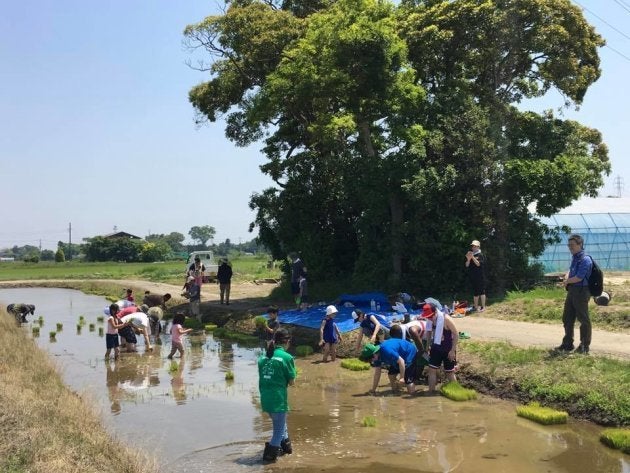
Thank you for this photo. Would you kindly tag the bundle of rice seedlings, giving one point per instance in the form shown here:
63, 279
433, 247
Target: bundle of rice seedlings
229, 375
100, 319
543, 415
52, 335
368, 421
260, 322
616, 438
303, 350
354, 364
101, 331
210, 327
456, 392
92, 327
35, 329
59, 327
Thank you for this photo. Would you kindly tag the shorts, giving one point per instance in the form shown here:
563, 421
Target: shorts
111, 341
128, 334
479, 286
411, 371
439, 356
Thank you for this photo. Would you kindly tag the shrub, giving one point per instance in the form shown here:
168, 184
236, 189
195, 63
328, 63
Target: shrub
52, 335
456, 392
193, 323
543, 415
616, 438
354, 364
303, 350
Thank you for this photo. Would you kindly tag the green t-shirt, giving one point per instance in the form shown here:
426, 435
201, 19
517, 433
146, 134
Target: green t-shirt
274, 375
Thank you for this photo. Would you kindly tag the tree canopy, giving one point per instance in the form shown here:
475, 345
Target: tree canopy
392, 132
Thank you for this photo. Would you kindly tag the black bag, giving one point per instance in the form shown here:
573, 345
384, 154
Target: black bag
595, 280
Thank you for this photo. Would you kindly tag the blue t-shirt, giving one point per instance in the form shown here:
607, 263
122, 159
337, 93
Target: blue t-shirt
393, 348
330, 334
581, 266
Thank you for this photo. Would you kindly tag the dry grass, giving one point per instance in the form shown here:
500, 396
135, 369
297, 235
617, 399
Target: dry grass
44, 427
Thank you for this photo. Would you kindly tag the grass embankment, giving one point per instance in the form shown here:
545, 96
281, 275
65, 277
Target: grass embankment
44, 427
588, 387
545, 305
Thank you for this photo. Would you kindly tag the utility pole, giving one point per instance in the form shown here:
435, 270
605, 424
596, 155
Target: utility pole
618, 183
69, 255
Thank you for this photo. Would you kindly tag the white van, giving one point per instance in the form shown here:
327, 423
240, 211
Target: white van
207, 259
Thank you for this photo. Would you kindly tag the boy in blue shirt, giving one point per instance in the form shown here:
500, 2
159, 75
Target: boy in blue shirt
398, 355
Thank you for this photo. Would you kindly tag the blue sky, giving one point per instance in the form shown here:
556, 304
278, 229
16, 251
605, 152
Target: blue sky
97, 130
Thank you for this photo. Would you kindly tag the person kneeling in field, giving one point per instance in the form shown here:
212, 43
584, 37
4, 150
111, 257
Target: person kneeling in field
20, 311
398, 355
443, 346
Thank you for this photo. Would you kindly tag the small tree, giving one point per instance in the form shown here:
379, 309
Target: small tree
60, 257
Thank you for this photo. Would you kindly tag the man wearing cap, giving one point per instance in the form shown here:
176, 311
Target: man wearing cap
476, 264
373, 326
443, 345
398, 355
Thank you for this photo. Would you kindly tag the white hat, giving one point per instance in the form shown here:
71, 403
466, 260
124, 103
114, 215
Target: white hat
355, 316
476, 243
331, 309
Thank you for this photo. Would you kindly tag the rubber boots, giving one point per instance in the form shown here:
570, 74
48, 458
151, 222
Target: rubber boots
271, 453
286, 446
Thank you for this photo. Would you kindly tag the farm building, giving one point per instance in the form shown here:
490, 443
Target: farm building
605, 225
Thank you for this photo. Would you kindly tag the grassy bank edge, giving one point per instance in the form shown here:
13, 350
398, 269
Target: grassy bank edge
44, 426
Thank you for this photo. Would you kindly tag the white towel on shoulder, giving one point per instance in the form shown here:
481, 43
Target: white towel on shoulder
438, 320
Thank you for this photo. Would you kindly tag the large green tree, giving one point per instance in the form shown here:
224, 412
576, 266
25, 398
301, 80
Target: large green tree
392, 132
202, 234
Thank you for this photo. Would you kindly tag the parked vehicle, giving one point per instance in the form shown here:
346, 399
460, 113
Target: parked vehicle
207, 259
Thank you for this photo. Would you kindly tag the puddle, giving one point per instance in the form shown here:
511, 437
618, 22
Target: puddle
186, 414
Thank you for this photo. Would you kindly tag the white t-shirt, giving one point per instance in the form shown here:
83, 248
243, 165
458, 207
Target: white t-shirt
138, 319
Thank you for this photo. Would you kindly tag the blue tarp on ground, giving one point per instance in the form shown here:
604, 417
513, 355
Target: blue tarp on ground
313, 316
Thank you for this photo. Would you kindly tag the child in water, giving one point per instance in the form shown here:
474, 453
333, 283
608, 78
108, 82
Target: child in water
329, 334
111, 337
276, 371
177, 332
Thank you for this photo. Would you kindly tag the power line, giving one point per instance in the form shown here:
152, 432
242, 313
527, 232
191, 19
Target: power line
602, 20
620, 53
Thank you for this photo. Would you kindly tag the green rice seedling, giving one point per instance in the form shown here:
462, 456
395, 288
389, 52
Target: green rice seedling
543, 415
40, 320
354, 364
616, 438
368, 421
52, 335
303, 350
229, 375
210, 327
260, 322
35, 331
100, 319
101, 331
456, 392
79, 328
173, 367
193, 323
59, 327
222, 332
92, 327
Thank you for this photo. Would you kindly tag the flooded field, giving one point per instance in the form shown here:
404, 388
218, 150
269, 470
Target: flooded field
191, 419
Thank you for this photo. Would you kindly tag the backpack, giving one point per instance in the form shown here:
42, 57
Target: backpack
595, 280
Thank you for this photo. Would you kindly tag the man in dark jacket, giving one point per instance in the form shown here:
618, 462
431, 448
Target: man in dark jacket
224, 277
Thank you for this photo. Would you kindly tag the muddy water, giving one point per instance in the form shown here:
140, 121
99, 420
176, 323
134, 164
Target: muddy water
192, 420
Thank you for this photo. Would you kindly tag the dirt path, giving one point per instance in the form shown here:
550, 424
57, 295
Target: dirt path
249, 295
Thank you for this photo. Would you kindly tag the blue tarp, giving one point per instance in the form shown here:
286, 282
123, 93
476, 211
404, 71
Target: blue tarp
313, 316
